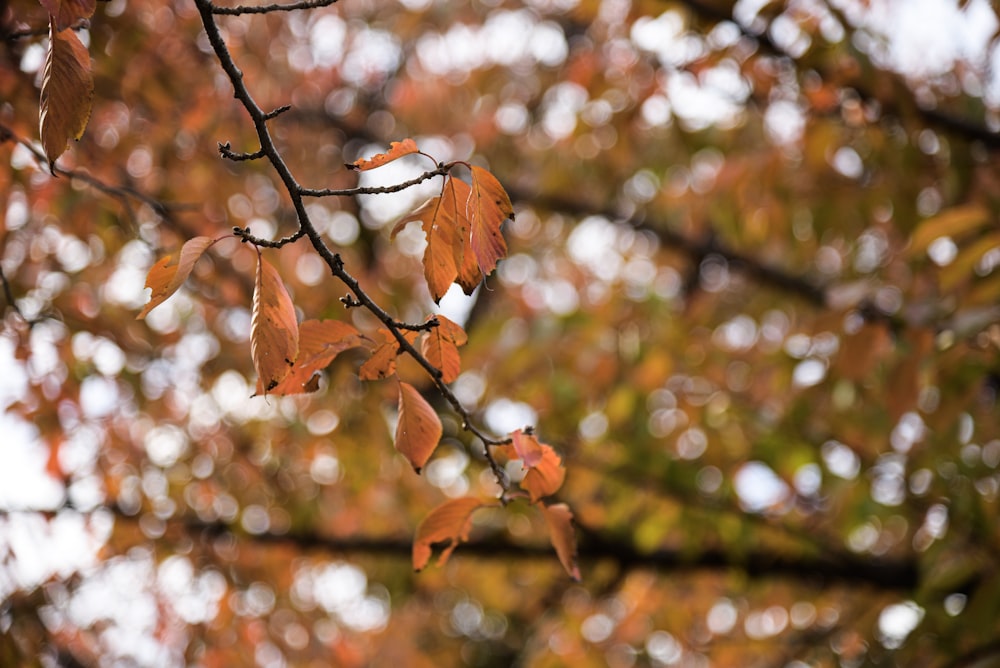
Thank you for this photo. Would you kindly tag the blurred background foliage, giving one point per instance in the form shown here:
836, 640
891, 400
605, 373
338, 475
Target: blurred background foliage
752, 299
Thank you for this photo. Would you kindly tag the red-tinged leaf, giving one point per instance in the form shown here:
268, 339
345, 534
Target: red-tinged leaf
66, 13
560, 520
440, 347
526, 448
170, 272
488, 207
418, 429
397, 149
320, 341
274, 331
450, 522
546, 477
67, 91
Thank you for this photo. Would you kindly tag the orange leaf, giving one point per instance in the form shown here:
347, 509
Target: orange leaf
169, 273
397, 149
274, 331
440, 347
527, 448
437, 218
382, 363
560, 520
469, 274
418, 429
66, 13
546, 477
488, 207
451, 522
320, 341
67, 90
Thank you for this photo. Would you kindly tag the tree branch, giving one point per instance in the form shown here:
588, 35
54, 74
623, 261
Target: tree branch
267, 9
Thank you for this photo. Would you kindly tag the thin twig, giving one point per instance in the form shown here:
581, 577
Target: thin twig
297, 194
440, 170
267, 9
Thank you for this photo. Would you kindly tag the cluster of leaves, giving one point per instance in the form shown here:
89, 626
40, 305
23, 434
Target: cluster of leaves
464, 244
751, 295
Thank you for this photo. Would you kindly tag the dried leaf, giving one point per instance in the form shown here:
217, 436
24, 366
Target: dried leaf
320, 341
170, 272
488, 207
437, 218
418, 429
440, 347
67, 91
451, 522
546, 477
526, 448
274, 331
66, 13
397, 149
382, 363
560, 520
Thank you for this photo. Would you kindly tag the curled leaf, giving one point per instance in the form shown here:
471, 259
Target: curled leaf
546, 476
488, 207
418, 429
527, 448
440, 347
320, 341
67, 91
560, 520
274, 331
170, 272
397, 149
450, 522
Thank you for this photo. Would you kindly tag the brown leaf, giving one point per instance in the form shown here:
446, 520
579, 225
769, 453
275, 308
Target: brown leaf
526, 448
66, 13
397, 149
440, 347
170, 272
274, 331
418, 429
320, 341
488, 207
451, 522
67, 91
546, 477
560, 520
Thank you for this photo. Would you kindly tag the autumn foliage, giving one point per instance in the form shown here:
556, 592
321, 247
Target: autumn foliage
568, 333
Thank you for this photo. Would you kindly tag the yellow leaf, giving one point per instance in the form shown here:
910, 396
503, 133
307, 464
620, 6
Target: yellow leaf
67, 91
450, 522
397, 149
418, 429
169, 273
274, 331
488, 207
560, 520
